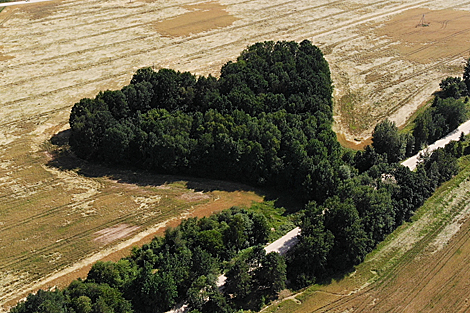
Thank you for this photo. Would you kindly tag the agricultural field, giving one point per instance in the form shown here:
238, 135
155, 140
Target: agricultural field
421, 267
56, 210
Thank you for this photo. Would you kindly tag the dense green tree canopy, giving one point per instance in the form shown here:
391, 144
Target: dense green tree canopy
265, 121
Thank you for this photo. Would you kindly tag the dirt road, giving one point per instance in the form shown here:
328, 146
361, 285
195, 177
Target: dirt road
453, 136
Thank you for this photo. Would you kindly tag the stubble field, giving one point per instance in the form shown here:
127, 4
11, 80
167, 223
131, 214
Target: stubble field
56, 210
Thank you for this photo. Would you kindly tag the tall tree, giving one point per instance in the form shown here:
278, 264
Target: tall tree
309, 258
239, 281
272, 273
466, 75
386, 139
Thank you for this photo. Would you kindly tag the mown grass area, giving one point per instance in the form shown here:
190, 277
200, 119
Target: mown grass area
410, 241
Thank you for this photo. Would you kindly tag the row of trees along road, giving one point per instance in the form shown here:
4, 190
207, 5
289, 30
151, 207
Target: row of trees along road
447, 111
266, 121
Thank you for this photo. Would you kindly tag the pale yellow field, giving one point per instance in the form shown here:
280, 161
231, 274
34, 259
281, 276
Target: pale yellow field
53, 209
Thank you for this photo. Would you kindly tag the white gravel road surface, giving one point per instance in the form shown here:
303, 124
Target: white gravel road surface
455, 135
7, 4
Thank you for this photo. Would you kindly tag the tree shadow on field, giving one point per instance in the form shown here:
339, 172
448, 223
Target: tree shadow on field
64, 159
336, 276
329, 277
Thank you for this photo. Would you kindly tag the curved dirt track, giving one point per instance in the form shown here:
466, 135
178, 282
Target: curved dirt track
54, 53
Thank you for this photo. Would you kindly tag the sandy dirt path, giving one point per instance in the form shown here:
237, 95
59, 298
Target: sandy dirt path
285, 243
412, 162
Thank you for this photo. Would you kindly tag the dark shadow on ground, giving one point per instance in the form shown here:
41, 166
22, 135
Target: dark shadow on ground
329, 276
338, 276
64, 159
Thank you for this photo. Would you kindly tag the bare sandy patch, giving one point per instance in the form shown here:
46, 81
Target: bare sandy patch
355, 144
201, 17
147, 202
116, 232
194, 196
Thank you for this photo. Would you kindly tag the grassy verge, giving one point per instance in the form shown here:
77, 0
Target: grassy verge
410, 123
279, 222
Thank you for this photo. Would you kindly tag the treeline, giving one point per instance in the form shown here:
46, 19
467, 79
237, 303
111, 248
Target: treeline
266, 121
375, 193
338, 233
184, 265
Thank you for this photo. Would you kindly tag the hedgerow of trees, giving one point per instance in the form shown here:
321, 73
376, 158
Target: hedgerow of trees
379, 194
184, 265
447, 112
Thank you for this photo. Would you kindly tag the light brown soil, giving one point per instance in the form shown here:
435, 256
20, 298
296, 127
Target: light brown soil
113, 233
62, 51
5, 57
427, 36
193, 196
397, 73
201, 17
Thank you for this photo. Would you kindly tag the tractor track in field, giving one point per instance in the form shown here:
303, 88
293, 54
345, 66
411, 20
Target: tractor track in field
420, 50
421, 72
183, 40
442, 258
158, 20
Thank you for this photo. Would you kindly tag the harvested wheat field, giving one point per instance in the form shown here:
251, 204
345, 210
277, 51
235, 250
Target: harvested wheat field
56, 210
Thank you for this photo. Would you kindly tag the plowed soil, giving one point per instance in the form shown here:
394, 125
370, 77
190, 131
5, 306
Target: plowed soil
54, 53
